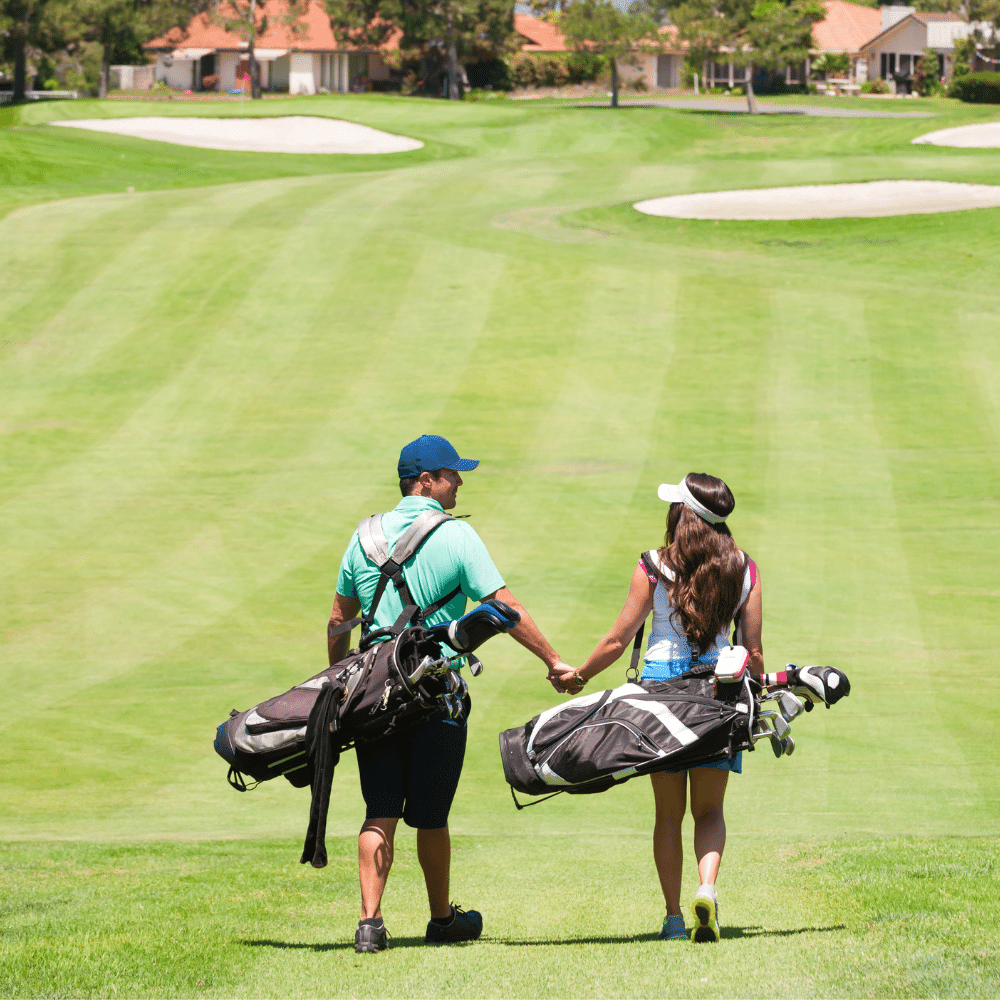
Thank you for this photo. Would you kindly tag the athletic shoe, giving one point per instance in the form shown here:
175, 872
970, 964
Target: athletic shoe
673, 928
463, 927
370, 937
706, 911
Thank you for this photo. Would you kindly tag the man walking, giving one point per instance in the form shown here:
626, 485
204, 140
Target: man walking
413, 775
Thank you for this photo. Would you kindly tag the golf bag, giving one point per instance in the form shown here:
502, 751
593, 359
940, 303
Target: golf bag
594, 742
376, 691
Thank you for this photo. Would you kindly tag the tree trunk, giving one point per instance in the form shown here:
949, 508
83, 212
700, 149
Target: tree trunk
452, 94
751, 104
102, 86
614, 82
254, 72
20, 68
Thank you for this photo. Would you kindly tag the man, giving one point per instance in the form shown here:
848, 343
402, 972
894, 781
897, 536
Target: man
413, 776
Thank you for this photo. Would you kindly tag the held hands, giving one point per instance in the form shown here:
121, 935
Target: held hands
565, 679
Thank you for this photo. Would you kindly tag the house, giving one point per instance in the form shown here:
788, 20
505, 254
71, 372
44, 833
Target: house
893, 53
661, 67
655, 67
304, 59
845, 29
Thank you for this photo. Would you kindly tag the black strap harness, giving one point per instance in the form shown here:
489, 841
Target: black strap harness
390, 565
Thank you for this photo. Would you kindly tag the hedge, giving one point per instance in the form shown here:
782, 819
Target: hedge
976, 88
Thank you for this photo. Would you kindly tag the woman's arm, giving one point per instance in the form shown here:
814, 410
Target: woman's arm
748, 632
638, 604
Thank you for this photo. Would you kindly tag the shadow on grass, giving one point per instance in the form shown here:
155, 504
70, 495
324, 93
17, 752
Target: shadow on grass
394, 942
728, 933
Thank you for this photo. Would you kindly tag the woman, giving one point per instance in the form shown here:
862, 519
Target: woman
695, 586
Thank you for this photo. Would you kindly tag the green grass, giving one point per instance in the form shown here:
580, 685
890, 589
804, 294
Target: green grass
205, 385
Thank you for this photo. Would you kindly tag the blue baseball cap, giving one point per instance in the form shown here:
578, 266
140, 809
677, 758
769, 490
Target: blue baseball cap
430, 453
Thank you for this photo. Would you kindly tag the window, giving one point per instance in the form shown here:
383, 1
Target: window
905, 64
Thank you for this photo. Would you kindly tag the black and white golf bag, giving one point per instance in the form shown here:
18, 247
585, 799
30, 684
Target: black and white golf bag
594, 742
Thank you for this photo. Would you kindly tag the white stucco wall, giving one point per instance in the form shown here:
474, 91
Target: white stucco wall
644, 69
300, 73
175, 73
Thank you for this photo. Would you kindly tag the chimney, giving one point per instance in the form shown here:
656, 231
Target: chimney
893, 14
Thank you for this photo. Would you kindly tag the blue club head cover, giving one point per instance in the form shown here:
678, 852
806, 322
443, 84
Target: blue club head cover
469, 632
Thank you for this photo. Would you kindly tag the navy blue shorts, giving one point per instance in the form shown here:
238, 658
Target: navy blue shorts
414, 774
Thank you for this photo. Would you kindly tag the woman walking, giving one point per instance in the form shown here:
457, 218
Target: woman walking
696, 585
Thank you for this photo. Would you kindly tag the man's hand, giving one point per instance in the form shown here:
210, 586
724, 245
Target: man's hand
564, 678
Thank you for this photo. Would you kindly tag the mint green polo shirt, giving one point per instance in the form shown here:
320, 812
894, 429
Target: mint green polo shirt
453, 556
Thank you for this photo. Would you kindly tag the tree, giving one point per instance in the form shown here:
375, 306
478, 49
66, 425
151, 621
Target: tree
249, 20
22, 23
119, 27
770, 35
434, 37
780, 34
600, 26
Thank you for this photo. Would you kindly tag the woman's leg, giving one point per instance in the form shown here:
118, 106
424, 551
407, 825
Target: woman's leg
669, 795
708, 790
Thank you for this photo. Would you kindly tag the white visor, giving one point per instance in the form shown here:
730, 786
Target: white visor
681, 494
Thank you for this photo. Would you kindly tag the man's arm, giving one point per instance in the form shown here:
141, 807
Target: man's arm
344, 609
528, 635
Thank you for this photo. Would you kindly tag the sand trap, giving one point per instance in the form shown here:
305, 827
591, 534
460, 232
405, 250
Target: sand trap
294, 134
827, 201
986, 135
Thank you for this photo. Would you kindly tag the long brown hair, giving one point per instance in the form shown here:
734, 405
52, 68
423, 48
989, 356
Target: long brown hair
708, 566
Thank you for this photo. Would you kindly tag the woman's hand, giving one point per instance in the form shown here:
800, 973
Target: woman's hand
561, 676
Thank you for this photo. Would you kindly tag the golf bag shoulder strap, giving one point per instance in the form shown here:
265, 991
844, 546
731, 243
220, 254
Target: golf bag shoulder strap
738, 617
390, 564
650, 569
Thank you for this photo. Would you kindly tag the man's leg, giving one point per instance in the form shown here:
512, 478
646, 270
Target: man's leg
375, 845
434, 854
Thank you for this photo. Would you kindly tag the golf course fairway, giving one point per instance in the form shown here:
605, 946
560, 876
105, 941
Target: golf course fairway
209, 361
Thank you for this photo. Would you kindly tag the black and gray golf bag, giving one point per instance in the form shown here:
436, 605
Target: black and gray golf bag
397, 677
594, 742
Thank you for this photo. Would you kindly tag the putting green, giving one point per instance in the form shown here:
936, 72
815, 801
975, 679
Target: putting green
206, 387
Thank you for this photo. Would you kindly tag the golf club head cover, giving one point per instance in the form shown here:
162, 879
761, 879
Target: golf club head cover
469, 632
825, 684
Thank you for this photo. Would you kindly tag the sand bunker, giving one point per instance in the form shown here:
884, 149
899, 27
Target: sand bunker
293, 134
827, 201
986, 135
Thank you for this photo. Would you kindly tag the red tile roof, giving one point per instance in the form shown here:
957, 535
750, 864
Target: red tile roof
204, 33
847, 27
540, 35
925, 17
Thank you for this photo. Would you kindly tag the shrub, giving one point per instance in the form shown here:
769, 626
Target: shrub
876, 86
551, 69
490, 74
210, 82
976, 88
927, 74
